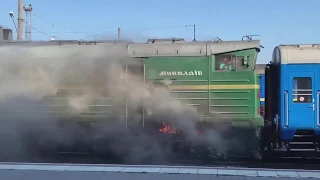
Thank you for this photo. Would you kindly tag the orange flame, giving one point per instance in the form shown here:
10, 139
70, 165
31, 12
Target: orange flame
167, 129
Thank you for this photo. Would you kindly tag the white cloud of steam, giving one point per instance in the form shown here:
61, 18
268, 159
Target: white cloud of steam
28, 74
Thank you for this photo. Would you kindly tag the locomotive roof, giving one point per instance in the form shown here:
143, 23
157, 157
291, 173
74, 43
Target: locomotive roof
189, 48
70, 48
204, 48
298, 53
63, 42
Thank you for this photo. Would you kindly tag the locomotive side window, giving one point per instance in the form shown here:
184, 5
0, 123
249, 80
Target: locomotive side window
302, 90
241, 63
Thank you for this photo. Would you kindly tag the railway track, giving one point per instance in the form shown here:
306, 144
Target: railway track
239, 162
242, 162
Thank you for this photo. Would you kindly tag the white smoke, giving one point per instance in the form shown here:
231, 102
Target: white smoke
31, 73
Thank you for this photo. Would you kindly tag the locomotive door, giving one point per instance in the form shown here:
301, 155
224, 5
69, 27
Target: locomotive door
301, 100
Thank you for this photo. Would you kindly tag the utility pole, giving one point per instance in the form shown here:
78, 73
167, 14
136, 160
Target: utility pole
20, 19
194, 31
119, 33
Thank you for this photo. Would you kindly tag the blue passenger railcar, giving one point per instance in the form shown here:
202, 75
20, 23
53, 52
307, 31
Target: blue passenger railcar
262, 86
262, 93
292, 87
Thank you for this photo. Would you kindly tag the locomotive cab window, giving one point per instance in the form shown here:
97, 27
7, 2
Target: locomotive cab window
224, 63
302, 90
231, 62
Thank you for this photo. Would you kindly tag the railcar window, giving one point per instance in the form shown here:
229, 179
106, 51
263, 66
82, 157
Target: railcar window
302, 90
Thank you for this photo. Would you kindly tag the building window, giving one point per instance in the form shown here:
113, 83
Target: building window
302, 90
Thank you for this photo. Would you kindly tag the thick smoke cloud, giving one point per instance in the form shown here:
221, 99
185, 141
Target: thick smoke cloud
28, 75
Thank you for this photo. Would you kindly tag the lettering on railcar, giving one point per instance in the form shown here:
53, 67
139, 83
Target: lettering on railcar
180, 73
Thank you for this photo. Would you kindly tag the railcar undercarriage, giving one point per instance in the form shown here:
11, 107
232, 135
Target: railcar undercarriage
305, 144
155, 141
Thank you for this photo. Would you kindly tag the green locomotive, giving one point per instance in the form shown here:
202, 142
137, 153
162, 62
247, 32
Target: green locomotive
215, 78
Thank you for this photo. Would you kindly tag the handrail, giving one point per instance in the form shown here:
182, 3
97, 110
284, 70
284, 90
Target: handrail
317, 108
286, 108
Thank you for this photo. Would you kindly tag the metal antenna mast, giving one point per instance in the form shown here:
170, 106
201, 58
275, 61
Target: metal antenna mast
28, 9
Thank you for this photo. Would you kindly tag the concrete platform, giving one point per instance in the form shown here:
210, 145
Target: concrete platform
130, 171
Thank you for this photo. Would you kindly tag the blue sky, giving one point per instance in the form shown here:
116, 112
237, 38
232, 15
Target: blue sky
276, 21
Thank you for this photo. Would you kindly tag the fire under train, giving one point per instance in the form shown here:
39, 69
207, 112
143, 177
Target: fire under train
217, 79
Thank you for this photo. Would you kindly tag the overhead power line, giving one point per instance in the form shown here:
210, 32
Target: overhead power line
38, 31
65, 31
48, 22
105, 31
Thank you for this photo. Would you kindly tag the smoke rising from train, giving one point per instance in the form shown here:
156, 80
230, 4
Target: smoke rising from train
28, 74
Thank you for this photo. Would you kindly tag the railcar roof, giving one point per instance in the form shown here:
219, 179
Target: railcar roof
299, 53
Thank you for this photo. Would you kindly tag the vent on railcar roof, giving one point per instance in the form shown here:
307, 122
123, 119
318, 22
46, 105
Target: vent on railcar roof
302, 45
166, 40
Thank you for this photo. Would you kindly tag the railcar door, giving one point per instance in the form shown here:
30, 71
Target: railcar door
300, 100
317, 98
